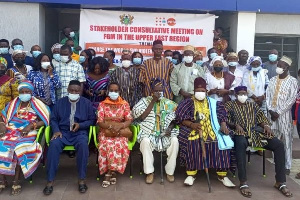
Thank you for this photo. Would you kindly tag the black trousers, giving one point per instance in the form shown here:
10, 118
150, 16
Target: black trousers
298, 129
275, 145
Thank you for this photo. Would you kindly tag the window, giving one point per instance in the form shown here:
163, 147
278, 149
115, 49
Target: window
285, 45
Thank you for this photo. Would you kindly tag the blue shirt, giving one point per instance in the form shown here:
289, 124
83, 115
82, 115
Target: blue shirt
37, 78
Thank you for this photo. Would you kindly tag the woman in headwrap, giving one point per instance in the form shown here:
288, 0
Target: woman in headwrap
55, 49
20, 70
114, 118
220, 84
202, 116
8, 85
19, 123
256, 80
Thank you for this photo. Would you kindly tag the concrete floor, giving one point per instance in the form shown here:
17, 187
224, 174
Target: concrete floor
65, 187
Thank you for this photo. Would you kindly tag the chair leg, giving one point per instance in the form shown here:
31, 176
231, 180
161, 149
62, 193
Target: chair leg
249, 154
264, 163
130, 163
161, 168
98, 172
30, 179
141, 164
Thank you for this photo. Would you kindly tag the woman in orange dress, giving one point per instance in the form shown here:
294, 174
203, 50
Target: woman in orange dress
114, 118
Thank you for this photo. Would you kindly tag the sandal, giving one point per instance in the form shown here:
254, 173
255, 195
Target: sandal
244, 192
284, 190
105, 183
3, 185
16, 188
113, 179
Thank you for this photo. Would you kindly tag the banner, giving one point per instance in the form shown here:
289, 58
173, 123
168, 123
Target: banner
118, 30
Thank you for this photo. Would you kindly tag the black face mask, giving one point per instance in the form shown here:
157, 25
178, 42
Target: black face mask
218, 69
2, 72
20, 62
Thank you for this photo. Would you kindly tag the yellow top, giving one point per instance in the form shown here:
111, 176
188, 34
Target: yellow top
75, 57
8, 91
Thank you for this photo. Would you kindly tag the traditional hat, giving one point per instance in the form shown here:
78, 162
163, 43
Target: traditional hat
199, 83
232, 54
189, 48
3, 61
240, 88
56, 46
16, 52
287, 60
218, 58
26, 84
254, 58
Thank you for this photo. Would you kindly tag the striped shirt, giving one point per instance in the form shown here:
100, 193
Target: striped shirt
66, 73
130, 86
157, 69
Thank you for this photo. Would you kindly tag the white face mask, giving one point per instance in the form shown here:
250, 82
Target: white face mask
200, 95
242, 98
64, 59
113, 95
169, 57
188, 59
126, 63
73, 97
161, 95
45, 65
279, 70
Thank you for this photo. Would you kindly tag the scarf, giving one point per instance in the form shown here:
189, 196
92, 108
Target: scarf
119, 101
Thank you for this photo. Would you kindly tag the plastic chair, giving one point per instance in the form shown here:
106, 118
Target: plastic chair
130, 146
264, 158
67, 148
39, 140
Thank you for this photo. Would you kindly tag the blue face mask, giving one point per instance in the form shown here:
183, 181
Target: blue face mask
4, 50
72, 48
232, 64
174, 61
81, 59
256, 69
137, 61
36, 53
273, 57
199, 62
18, 47
24, 97
212, 55
113, 95
56, 56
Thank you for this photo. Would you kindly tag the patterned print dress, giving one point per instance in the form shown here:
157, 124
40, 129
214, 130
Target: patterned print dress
113, 151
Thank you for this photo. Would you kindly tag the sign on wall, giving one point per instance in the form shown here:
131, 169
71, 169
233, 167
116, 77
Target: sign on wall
118, 30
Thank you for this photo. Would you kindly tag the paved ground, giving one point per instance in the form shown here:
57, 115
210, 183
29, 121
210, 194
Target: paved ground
134, 189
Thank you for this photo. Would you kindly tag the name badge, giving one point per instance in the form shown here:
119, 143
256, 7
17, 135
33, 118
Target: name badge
195, 71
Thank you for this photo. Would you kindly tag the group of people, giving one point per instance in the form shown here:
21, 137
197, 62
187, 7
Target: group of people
207, 112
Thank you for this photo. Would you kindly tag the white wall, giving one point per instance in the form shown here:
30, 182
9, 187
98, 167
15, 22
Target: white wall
23, 20
246, 32
278, 24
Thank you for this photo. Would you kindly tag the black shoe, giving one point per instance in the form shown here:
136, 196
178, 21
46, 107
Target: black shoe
287, 172
82, 188
71, 154
48, 190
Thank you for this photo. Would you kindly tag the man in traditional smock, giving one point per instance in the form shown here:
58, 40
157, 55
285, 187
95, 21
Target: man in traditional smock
280, 97
251, 128
156, 114
212, 127
183, 75
70, 121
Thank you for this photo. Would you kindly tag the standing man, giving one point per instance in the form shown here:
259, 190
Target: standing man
74, 56
157, 67
271, 65
4, 52
71, 35
183, 76
280, 97
17, 44
168, 54
70, 120
243, 60
68, 70
220, 44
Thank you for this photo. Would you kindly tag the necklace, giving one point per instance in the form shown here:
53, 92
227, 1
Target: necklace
26, 111
218, 77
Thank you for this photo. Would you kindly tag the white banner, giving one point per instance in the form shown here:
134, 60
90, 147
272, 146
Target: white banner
118, 30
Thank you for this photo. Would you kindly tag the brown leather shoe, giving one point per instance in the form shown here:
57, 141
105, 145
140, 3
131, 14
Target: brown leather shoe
170, 178
150, 178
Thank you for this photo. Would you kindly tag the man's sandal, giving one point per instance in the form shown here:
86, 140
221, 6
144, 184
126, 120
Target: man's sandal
105, 183
245, 193
113, 179
284, 190
16, 188
3, 185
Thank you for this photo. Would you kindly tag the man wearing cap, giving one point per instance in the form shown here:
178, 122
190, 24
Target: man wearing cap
251, 128
183, 75
203, 118
157, 67
280, 96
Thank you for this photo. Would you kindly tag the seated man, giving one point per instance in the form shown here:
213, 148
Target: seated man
157, 131
70, 120
251, 127
203, 122
19, 123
